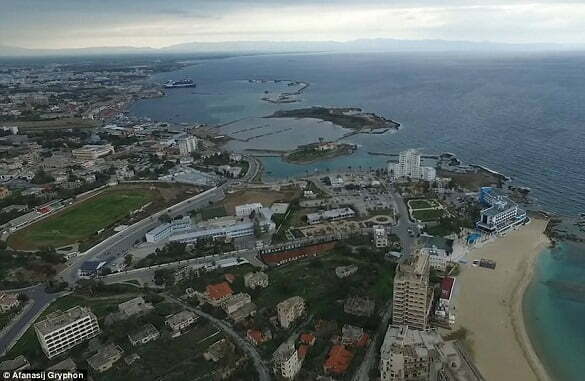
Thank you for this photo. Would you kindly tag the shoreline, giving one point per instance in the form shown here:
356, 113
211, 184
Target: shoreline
489, 304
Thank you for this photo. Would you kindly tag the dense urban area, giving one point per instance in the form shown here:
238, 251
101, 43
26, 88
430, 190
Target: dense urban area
145, 250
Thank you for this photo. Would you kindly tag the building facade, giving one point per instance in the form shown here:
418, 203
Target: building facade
411, 295
188, 145
61, 331
409, 167
290, 310
285, 361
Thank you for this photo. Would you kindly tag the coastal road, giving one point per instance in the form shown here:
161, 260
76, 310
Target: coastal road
243, 344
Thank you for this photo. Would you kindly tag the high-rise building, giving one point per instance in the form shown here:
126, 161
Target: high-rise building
187, 145
414, 355
61, 331
409, 166
412, 295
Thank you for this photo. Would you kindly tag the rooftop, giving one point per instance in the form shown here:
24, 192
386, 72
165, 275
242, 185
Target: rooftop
219, 290
59, 319
338, 359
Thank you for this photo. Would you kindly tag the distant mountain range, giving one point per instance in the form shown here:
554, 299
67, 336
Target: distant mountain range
362, 45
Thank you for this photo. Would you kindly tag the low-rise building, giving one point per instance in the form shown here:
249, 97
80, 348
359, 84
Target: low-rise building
345, 271
285, 361
218, 350
359, 306
17, 363
92, 152
181, 320
411, 354
165, 230
145, 335
502, 214
258, 337
66, 365
338, 360
330, 215
134, 307
61, 331
105, 358
8, 301
290, 310
4, 193
246, 209
215, 294
254, 280
234, 302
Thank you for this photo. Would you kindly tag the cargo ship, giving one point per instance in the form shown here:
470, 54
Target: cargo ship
178, 84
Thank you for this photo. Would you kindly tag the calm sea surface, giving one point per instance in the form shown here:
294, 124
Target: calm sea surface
522, 115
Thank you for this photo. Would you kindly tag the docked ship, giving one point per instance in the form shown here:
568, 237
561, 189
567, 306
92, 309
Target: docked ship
177, 84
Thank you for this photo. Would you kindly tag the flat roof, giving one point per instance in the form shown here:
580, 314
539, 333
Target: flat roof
60, 319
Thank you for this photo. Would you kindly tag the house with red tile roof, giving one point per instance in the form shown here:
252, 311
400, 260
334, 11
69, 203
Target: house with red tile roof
307, 339
215, 294
303, 350
338, 360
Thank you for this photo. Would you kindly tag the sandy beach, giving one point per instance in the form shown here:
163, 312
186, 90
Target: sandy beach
489, 305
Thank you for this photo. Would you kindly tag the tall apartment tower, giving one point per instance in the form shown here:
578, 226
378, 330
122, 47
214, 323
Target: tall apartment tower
409, 164
412, 296
61, 331
187, 145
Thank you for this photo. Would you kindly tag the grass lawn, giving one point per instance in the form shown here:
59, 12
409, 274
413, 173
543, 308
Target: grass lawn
428, 214
80, 221
213, 212
422, 204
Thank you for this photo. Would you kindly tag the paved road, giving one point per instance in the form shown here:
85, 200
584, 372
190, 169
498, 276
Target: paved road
245, 345
363, 372
40, 300
408, 245
404, 223
114, 244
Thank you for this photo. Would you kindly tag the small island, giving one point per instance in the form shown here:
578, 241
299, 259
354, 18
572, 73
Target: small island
347, 117
310, 153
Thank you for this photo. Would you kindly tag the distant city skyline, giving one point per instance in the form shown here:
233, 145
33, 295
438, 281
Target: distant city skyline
61, 24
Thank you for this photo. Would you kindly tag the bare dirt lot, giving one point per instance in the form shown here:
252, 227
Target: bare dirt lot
265, 197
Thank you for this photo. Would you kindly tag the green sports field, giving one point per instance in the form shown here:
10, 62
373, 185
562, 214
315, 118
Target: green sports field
79, 222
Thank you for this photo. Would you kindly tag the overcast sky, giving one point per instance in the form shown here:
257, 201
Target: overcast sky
158, 23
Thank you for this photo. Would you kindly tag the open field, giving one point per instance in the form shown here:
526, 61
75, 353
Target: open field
80, 221
263, 196
55, 124
427, 214
422, 204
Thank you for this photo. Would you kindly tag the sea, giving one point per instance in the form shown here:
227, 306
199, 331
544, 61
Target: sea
521, 114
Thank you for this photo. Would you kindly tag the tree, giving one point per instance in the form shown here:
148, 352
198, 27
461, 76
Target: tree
164, 218
41, 177
128, 260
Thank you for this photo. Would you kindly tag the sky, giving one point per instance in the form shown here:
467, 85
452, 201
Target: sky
57, 24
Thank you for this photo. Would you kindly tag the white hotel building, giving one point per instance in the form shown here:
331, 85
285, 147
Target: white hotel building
502, 215
409, 167
61, 331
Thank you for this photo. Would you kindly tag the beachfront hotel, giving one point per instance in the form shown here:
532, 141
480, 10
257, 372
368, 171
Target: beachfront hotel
61, 331
422, 355
502, 213
412, 295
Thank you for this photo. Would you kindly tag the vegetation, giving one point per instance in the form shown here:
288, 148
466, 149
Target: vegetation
81, 221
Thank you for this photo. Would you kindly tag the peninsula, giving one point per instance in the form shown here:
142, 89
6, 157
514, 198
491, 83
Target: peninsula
352, 118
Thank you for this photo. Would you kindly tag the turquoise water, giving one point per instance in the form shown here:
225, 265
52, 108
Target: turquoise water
521, 115
554, 308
